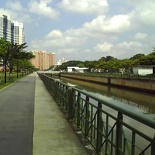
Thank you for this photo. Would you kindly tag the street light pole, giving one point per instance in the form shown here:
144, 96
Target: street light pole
5, 69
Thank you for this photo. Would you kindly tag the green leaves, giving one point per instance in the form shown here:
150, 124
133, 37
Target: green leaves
9, 53
4, 45
111, 64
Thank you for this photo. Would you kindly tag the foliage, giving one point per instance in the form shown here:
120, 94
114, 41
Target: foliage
12, 53
111, 64
70, 63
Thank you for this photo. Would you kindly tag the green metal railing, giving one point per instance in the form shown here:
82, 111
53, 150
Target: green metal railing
104, 124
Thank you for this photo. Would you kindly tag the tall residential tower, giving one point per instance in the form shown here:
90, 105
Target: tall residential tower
43, 60
10, 30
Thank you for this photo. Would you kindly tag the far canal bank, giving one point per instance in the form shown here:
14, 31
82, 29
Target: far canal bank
141, 84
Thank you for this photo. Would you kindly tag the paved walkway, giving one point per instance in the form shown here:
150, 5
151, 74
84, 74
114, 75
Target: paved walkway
32, 124
16, 117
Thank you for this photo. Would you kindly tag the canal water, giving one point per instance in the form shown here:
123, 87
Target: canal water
144, 103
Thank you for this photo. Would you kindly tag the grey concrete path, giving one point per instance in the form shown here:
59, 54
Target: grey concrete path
31, 122
52, 133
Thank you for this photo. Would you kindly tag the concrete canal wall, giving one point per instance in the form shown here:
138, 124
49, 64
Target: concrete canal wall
145, 85
86, 78
137, 84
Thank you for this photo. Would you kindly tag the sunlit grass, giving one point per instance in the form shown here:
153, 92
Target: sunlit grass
10, 78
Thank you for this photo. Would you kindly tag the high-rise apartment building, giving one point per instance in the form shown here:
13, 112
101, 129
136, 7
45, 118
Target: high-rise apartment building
10, 30
43, 60
18, 32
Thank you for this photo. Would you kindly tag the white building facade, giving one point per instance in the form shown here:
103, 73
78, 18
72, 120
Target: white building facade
143, 70
12, 31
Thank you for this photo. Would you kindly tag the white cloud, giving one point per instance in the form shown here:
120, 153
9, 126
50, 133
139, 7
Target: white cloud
69, 50
126, 49
105, 47
7, 12
82, 37
17, 15
116, 24
116, 35
143, 14
140, 36
54, 34
85, 6
42, 8
129, 45
15, 5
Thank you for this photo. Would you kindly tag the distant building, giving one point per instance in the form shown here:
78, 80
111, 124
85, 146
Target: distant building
76, 69
143, 70
12, 31
43, 60
18, 32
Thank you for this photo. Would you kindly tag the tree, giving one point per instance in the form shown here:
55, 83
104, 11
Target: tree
148, 59
4, 54
25, 57
137, 56
107, 58
17, 53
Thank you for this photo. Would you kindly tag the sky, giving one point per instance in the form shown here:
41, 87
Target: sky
86, 29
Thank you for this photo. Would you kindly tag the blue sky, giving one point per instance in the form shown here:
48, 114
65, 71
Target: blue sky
86, 29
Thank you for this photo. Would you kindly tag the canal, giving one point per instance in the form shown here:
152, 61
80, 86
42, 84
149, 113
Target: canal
140, 102
136, 101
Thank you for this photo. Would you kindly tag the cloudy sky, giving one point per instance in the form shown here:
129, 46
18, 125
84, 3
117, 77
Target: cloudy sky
86, 29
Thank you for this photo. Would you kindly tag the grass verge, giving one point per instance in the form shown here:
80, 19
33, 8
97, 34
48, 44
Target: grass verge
10, 78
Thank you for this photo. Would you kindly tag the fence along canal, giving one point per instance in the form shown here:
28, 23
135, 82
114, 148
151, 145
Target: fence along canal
104, 124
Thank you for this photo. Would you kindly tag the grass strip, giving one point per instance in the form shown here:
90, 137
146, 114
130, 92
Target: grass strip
10, 78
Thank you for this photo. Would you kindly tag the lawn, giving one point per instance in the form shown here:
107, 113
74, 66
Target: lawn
10, 78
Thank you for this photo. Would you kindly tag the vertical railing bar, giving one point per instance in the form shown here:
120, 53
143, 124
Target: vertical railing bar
133, 143
112, 136
124, 144
78, 109
153, 146
99, 128
91, 113
106, 133
86, 116
70, 103
118, 133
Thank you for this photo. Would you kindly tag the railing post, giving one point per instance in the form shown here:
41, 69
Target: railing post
55, 88
99, 128
78, 109
153, 146
119, 133
70, 103
87, 116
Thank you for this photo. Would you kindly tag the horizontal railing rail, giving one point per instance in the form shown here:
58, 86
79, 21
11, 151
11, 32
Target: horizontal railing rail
110, 129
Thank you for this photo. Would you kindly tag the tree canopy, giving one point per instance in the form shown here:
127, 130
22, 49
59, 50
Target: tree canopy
11, 53
112, 64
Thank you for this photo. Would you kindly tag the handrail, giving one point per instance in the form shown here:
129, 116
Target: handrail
95, 122
115, 106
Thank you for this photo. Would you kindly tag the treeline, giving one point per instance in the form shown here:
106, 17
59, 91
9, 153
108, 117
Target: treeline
112, 64
13, 56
